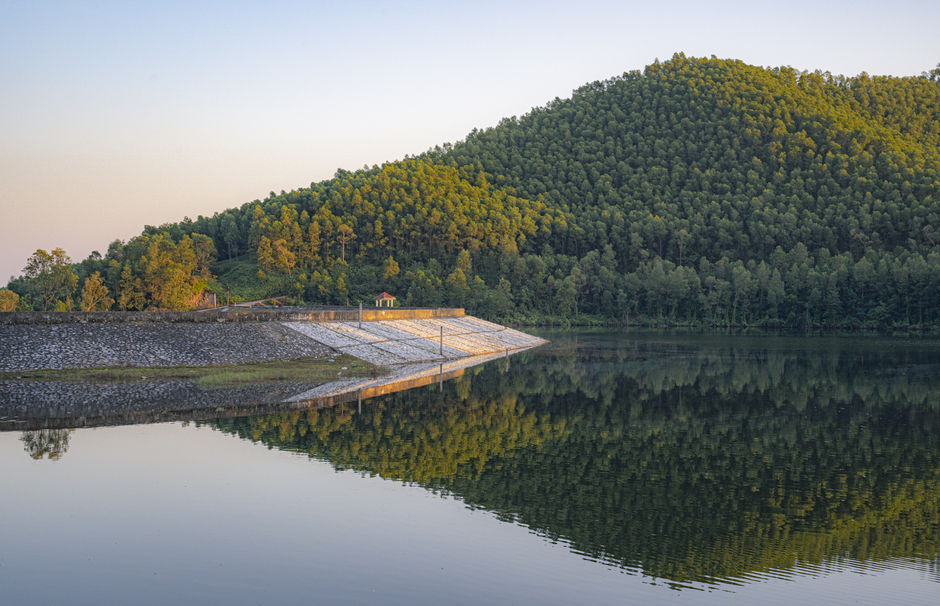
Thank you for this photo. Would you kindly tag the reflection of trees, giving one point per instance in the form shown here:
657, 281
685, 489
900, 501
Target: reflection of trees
716, 488
52, 443
456, 434
787, 377
685, 467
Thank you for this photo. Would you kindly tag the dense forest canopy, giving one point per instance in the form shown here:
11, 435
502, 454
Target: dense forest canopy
696, 191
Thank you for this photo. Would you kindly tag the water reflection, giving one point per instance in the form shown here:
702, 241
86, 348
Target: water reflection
46, 405
689, 458
46, 443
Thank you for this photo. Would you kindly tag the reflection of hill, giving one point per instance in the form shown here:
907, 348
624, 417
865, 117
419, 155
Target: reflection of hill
688, 495
687, 467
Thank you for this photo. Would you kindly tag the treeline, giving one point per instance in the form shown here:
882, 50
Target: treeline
150, 272
699, 191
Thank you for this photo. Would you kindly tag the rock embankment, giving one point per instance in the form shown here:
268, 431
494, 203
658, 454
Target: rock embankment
57, 346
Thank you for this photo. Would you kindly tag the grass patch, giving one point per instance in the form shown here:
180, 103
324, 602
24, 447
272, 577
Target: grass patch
307, 370
237, 279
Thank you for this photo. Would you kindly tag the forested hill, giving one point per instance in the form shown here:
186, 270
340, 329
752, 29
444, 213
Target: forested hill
743, 159
698, 190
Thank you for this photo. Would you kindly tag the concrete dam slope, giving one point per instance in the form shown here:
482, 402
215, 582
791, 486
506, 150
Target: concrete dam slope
34, 341
389, 342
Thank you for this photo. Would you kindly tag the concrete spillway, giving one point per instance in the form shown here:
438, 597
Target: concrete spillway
406, 341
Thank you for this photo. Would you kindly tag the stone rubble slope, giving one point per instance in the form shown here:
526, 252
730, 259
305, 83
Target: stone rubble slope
411, 349
58, 346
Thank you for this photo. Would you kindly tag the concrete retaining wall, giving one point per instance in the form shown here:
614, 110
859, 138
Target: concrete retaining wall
338, 314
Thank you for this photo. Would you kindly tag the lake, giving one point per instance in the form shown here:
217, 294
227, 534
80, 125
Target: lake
609, 467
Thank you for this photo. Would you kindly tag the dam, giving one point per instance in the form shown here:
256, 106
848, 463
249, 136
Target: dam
415, 347
384, 337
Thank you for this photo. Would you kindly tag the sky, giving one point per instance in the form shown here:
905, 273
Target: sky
117, 115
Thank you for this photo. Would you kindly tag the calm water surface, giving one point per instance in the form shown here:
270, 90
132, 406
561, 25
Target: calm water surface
607, 468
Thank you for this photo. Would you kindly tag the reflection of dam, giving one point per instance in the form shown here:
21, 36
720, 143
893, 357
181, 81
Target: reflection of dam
61, 405
400, 379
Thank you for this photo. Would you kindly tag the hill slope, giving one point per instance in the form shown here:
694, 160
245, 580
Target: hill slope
786, 157
700, 190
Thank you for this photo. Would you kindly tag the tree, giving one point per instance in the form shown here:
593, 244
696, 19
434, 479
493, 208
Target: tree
8, 300
284, 259
313, 242
502, 297
95, 294
266, 254
457, 287
743, 285
775, 292
464, 263
682, 237
933, 75
276, 255
230, 233
566, 303
390, 268
50, 277
132, 290
205, 252
345, 234
166, 272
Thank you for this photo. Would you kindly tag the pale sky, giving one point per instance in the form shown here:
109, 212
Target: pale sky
116, 115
